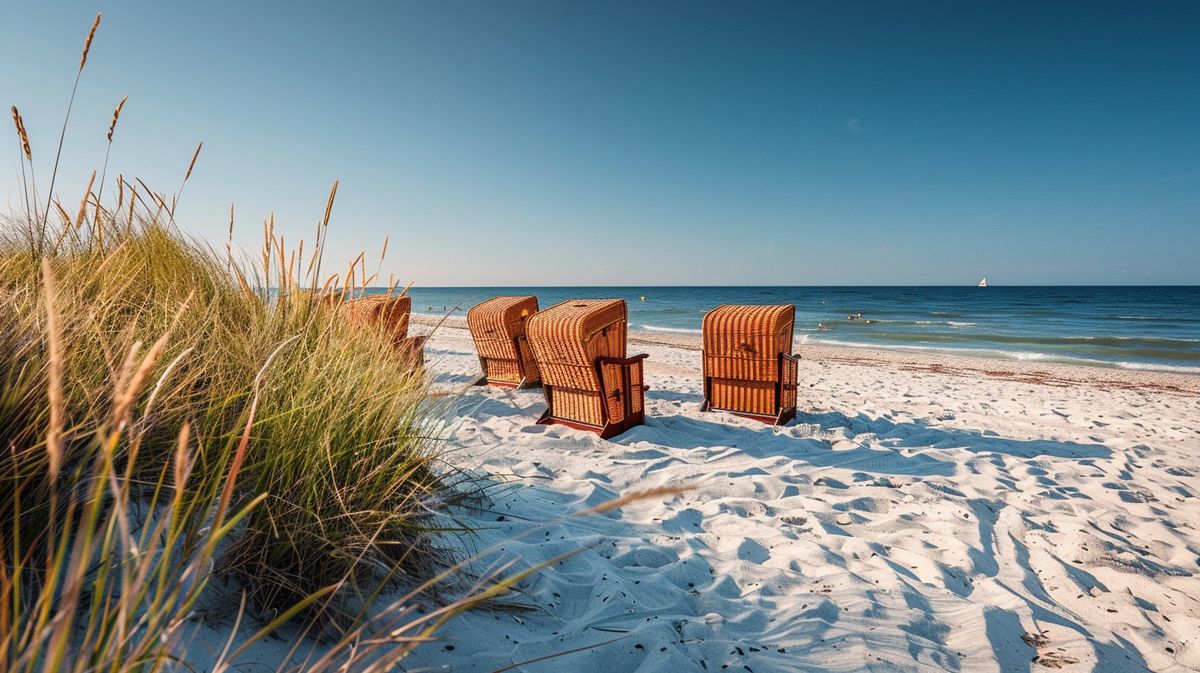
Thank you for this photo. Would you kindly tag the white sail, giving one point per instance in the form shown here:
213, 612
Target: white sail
983, 282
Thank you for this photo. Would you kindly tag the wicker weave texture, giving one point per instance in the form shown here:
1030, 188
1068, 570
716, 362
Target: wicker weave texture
389, 313
498, 327
747, 360
567, 339
743, 342
750, 397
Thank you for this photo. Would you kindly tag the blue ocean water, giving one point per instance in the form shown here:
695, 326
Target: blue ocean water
1129, 327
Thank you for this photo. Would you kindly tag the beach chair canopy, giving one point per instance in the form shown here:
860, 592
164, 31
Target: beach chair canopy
498, 328
580, 350
390, 313
748, 363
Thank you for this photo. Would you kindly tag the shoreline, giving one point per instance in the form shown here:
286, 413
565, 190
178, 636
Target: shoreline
1044, 373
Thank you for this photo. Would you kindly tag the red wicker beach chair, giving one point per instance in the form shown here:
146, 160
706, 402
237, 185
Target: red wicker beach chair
589, 383
749, 368
498, 328
392, 314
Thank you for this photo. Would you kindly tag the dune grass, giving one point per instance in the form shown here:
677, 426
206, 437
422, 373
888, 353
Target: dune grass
343, 444
130, 352
150, 387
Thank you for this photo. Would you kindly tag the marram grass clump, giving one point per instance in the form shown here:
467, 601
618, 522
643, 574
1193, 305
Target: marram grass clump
169, 413
343, 443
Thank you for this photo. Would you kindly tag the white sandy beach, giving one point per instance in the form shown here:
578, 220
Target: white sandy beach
942, 514
922, 513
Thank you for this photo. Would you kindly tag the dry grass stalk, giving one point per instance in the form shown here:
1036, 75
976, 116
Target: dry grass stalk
229, 240
116, 115
83, 202
87, 44
182, 463
132, 383
193, 162
329, 205
107, 151
132, 197
280, 249
319, 246
54, 433
175, 199
62, 136
649, 493
66, 219
16, 114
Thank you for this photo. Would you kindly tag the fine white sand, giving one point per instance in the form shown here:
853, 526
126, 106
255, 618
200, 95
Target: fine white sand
932, 515
920, 514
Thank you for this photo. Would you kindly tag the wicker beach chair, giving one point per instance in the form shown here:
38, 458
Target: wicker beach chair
392, 314
589, 383
498, 328
749, 368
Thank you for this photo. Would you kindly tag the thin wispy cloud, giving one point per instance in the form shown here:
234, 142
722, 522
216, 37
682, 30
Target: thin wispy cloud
1160, 180
995, 214
1147, 213
857, 125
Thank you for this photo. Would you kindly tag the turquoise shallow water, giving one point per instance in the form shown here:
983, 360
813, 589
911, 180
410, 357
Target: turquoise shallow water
1128, 327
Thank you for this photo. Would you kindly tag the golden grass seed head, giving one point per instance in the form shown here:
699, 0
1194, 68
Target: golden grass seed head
20, 123
87, 44
116, 115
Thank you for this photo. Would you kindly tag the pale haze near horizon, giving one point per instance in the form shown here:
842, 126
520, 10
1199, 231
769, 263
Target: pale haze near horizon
674, 144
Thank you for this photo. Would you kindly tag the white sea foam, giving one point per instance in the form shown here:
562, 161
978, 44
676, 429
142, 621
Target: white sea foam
1022, 356
656, 328
1152, 367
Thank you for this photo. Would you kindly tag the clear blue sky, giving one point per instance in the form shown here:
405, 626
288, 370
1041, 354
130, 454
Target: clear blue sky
557, 143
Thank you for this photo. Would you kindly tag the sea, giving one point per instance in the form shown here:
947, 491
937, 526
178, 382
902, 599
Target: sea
1152, 328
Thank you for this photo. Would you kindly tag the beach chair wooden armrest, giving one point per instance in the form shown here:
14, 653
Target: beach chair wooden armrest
624, 393
630, 371
622, 361
627, 364
788, 380
788, 368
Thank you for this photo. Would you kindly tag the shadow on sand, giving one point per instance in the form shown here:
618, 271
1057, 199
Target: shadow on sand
896, 448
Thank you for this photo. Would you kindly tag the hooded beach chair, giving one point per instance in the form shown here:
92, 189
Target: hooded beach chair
498, 328
749, 368
589, 383
390, 313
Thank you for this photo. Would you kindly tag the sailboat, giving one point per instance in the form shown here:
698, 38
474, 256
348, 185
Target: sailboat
983, 282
